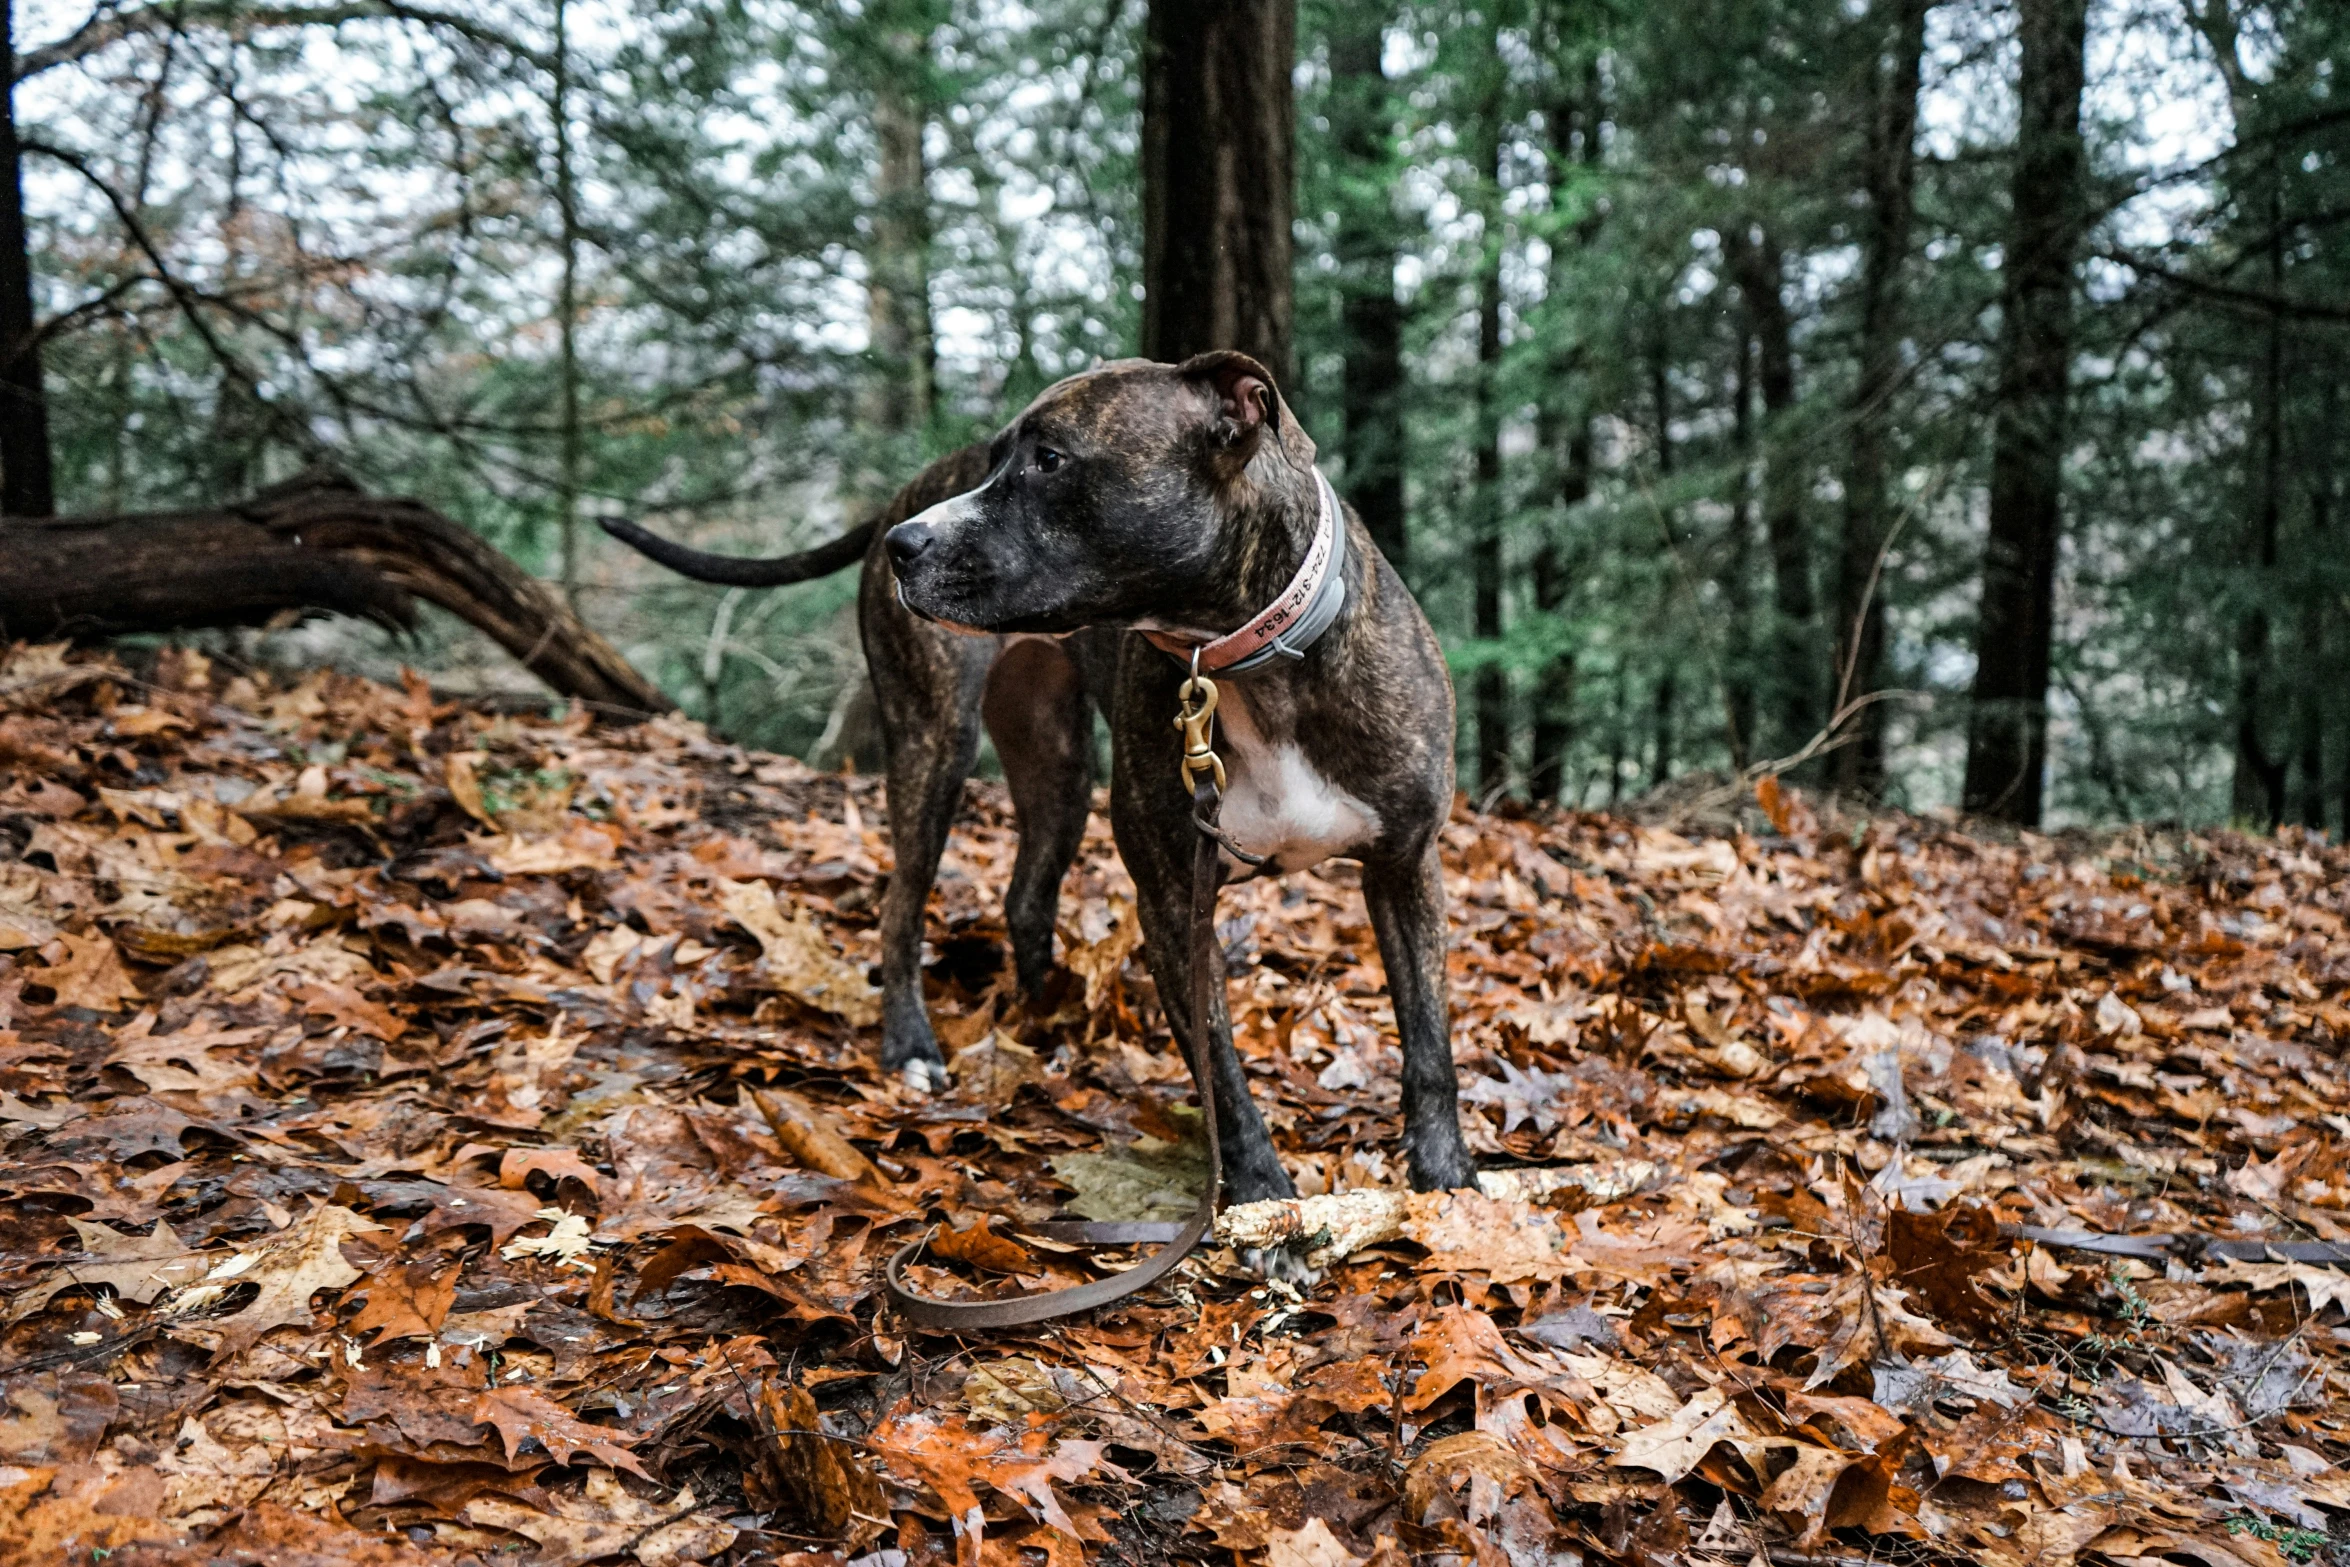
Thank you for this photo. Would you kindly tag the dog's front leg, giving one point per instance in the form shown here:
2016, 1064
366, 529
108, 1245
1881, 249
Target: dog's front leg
1155, 838
1252, 1170
1406, 899
930, 721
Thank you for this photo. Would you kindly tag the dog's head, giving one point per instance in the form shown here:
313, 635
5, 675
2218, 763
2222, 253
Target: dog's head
1105, 501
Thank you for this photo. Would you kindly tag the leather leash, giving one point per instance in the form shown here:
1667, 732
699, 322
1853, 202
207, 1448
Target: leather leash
1203, 772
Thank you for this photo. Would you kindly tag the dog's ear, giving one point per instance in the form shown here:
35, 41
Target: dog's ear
1241, 396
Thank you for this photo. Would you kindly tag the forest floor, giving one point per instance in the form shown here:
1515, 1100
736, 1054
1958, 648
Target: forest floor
383, 1180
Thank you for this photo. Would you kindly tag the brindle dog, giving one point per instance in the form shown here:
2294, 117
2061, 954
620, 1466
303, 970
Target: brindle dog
1005, 585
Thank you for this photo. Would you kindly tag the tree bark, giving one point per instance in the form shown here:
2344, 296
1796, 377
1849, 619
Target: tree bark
1492, 689
1795, 678
1554, 698
27, 487
567, 310
1739, 697
1565, 432
1371, 318
897, 264
1219, 154
2256, 791
2007, 728
1668, 685
1899, 30
314, 544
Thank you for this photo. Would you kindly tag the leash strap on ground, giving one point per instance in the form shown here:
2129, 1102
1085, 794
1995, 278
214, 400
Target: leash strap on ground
972, 1316
2185, 1246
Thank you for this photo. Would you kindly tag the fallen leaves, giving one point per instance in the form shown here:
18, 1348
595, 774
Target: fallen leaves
287, 1272
136, 1268
410, 1300
604, 1521
797, 958
523, 1414
1679, 1443
405, 1154
813, 1476
85, 971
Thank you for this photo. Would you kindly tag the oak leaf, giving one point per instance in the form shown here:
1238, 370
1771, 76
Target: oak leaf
183, 1062
517, 1165
44, 1521
1099, 963
294, 1265
1312, 1545
811, 1138
982, 1247
1674, 1446
955, 1461
345, 1006
52, 1417
136, 1267
1825, 1488
86, 971
1448, 1461
581, 846
819, 1480
523, 1414
2324, 1286
411, 1300
798, 960
1938, 1257
608, 1521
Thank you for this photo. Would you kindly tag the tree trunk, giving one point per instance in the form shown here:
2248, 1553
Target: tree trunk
1219, 152
1566, 432
567, 310
1660, 771
1554, 696
897, 265
1900, 30
1738, 697
314, 544
2258, 788
1668, 690
1795, 677
27, 488
1485, 545
1371, 318
1619, 739
2007, 729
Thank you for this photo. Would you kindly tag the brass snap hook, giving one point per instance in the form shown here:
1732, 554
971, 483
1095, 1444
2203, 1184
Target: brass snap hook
1196, 723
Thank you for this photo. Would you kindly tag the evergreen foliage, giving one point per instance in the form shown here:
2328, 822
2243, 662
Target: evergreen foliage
1613, 319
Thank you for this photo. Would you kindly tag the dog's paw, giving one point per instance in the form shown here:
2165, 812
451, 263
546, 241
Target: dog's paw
924, 1075
1443, 1169
1281, 1265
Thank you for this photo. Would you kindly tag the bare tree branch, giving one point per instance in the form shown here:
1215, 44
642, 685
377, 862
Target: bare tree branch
108, 26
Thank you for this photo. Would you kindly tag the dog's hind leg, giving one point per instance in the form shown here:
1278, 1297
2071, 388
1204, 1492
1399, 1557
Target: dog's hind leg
1406, 900
927, 685
1037, 714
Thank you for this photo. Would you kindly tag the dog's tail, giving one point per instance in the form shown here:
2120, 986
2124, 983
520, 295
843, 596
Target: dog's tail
745, 571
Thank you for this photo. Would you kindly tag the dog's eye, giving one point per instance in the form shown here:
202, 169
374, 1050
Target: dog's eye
1048, 460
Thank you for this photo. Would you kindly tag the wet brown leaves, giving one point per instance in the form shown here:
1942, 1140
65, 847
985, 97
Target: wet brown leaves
435, 1135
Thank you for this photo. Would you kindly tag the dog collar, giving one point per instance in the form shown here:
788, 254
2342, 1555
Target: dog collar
1290, 624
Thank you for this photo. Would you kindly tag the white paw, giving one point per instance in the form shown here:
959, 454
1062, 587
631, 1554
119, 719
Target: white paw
1281, 1264
924, 1076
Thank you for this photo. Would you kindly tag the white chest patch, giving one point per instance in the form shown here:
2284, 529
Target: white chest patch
1277, 805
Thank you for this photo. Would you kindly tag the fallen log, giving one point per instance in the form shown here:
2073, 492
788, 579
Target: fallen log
314, 544
1339, 1224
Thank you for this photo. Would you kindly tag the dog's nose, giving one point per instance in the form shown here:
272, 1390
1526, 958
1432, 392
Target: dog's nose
908, 541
